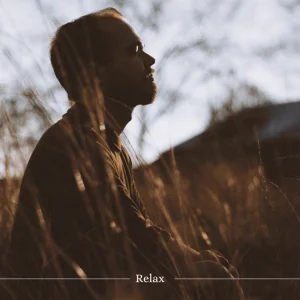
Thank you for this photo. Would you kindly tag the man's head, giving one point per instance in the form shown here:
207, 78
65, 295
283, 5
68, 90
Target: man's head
103, 48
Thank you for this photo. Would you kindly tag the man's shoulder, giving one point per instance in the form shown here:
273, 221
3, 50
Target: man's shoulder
52, 144
54, 138
48, 152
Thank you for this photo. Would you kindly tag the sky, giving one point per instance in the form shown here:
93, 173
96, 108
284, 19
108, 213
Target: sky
254, 42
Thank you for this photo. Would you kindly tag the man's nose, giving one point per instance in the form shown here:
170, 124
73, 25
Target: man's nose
149, 60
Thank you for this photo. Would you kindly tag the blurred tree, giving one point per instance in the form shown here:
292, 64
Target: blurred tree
197, 45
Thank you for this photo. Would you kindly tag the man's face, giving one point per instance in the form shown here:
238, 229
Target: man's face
129, 74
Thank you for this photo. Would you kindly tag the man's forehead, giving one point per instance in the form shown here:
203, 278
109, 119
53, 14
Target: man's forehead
119, 28
130, 25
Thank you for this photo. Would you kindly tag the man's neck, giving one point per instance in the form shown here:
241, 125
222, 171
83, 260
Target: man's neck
116, 116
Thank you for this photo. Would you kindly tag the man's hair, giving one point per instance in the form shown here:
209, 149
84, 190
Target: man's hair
79, 43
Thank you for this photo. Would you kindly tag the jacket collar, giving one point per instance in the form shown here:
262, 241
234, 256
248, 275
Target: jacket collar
79, 116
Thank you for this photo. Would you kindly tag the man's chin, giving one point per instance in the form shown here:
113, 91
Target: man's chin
149, 97
142, 97
146, 101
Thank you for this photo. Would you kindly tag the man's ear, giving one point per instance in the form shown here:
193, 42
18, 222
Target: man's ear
87, 75
102, 76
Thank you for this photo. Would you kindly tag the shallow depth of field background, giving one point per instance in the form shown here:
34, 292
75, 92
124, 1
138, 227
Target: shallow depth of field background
213, 58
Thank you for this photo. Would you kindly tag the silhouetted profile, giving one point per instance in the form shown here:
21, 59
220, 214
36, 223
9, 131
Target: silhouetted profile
79, 213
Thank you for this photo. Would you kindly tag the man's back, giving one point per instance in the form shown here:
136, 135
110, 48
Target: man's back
79, 213
63, 171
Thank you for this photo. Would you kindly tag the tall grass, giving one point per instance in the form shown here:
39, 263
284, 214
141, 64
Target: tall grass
231, 196
241, 198
218, 196
178, 216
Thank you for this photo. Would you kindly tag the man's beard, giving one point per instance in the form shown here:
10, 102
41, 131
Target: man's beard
143, 96
146, 95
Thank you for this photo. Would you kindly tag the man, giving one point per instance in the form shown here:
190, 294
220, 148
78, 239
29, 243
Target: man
79, 214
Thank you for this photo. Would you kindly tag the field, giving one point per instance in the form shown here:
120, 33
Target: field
228, 191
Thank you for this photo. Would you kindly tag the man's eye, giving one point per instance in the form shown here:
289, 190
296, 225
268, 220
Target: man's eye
138, 49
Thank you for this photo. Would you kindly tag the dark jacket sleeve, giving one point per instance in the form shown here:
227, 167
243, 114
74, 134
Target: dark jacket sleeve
149, 228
